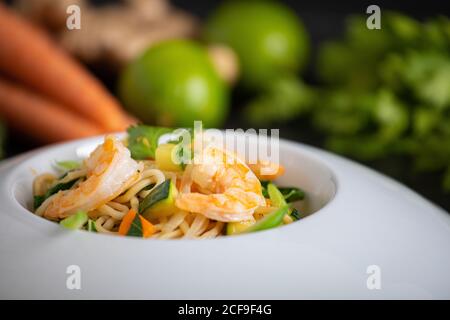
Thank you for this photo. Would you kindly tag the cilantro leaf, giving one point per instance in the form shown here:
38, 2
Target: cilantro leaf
143, 140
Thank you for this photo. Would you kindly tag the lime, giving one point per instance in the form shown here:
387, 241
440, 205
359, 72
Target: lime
268, 38
173, 84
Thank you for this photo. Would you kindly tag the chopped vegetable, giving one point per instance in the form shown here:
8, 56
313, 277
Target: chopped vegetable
75, 221
272, 220
276, 197
38, 200
294, 214
135, 229
91, 226
135, 225
292, 194
126, 222
68, 165
143, 140
166, 157
160, 201
238, 227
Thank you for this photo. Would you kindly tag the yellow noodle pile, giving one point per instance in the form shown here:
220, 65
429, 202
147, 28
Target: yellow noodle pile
180, 224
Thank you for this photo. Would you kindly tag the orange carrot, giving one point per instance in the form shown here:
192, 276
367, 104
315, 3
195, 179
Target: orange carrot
28, 55
126, 222
41, 118
147, 228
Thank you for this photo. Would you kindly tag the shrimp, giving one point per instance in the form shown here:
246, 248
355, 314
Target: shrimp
110, 171
228, 190
266, 170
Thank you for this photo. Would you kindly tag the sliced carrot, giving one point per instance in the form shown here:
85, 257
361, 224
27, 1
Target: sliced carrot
40, 118
126, 222
30, 56
147, 228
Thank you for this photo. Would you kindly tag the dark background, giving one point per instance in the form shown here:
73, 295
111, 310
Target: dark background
323, 20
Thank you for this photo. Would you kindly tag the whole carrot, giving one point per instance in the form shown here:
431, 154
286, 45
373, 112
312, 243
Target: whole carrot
40, 118
29, 55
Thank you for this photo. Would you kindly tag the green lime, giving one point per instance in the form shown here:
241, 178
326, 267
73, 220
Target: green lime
268, 38
173, 84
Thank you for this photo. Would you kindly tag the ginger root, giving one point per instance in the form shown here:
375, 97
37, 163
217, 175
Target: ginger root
111, 34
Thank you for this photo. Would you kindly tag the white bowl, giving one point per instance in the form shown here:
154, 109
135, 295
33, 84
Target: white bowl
361, 222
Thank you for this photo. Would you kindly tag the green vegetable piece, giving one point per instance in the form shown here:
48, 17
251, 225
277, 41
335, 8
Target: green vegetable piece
75, 221
264, 184
68, 165
38, 200
272, 220
295, 214
279, 199
160, 201
292, 194
136, 227
91, 226
143, 140
238, 227
276, 197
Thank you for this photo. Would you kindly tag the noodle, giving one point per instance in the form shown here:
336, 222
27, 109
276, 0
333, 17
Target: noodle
113, 213
99, 226
184, 226
134, 204
170, 235
198, 226
118, 206
214, 231
108, 216
117, 199
109, 224
174, 222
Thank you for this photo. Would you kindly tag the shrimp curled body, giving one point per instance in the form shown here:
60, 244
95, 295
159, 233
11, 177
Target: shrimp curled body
110, 171
227, 189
